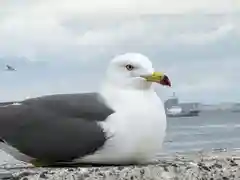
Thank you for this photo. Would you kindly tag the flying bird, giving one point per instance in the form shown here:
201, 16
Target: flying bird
10, 68
122, 123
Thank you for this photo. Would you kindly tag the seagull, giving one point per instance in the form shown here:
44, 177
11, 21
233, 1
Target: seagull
124, 122
10, 68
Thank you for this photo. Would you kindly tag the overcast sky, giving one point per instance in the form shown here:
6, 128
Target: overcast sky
61, 46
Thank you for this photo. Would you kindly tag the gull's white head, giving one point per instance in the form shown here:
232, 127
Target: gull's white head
134, 71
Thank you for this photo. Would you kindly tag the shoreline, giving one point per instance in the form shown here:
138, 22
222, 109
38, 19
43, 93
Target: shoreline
185, 166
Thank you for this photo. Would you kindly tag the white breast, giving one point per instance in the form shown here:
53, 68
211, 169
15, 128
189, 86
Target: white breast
137, 129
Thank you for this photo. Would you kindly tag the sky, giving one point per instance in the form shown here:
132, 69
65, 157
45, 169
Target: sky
60, 46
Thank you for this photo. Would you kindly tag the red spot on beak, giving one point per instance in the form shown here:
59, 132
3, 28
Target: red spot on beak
165, 81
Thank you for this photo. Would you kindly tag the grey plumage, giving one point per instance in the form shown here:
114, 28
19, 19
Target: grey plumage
56, 127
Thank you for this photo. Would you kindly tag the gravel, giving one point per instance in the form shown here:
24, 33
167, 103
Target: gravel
196, 166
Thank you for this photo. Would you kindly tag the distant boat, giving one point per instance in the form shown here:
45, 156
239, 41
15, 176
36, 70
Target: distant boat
10, 68
175, 109
189, 113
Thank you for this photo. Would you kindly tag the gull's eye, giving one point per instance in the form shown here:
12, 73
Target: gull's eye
129, 67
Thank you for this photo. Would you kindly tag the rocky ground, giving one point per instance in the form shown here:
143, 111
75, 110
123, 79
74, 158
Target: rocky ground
211, 166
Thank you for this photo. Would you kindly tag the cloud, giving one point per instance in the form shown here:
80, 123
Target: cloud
35, 27
207, 37
123, 6
73, 35
66, 45
205, 81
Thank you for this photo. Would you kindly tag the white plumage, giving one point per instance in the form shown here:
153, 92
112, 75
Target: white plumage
137, 129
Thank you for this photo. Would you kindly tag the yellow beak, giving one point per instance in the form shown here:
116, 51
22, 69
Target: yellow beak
158, 77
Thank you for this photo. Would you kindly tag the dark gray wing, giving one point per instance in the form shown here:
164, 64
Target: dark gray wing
55, 128
89, 106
